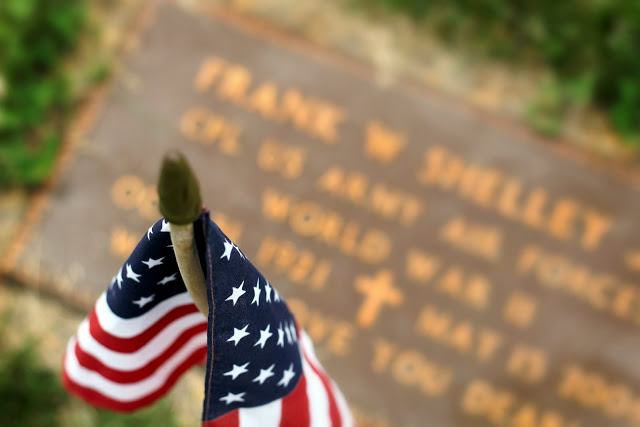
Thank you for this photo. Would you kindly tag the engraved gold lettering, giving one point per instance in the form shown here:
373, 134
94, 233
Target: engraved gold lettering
205, 127
367, 419
462, 336
470, 289
603, 292
264, 100
563, 218
421, 266
356, 188
275, 205
501, 407
383, 144
295, 109
231, 227
325, 330
122, 242
129, 192
325, 122
520, 309
592, 390
475, 238
410, 368
488, 342
507, 203
527, 363
126, 191
235, 83
309, 219
383, 351
481, 399
597, 225
300, 266
287, 160
209, 72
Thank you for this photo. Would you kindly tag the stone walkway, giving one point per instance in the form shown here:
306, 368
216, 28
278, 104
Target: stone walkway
399, 49
395, 48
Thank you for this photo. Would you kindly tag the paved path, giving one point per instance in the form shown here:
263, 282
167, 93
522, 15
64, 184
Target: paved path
439, 257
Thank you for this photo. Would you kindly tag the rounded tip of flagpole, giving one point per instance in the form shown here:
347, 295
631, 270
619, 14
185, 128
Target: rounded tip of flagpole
178, 190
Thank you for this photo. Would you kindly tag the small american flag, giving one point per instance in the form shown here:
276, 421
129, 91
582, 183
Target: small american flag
145, 331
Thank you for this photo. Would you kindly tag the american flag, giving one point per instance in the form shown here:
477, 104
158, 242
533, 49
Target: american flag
145, 331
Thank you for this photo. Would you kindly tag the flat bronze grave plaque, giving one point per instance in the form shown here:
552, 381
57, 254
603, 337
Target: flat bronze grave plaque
451, 271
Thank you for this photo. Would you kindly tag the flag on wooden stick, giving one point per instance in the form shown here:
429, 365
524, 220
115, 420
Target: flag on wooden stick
145, 331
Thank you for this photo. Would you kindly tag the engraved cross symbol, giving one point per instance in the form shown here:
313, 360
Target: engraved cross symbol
378, 290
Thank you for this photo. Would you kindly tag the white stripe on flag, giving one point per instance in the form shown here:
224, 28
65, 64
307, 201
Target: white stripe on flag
134, 391
343, 407
151, 350
127, 328
262, 416
341, 402
317, 396
307, 347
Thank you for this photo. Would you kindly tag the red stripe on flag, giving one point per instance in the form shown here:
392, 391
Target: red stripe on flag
334, 412
295, 406
133, 344
123, 376
95, 398
232, 419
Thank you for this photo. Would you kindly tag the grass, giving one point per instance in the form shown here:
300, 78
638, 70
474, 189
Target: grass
35, 37
31, 395
590, 46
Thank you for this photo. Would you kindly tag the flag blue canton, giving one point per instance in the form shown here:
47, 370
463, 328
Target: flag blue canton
254, 356
150, 275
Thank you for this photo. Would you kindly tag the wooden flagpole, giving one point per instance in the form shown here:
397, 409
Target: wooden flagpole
181, 204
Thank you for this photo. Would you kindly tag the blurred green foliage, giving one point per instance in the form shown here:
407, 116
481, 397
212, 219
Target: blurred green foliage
593, 46
32, 395
35, 35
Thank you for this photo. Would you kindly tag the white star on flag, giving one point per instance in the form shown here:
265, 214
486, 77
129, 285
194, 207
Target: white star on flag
265, 334
230, 398
132, 274
287, 374
265, 374
237, 370
256, 293
149, 232
238, 334
239, 251
228, 247
237, 293
144, 300
118, 278
153, 262
166, 227
167, 279
268, 291
294, 333
288, 332
280, 336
